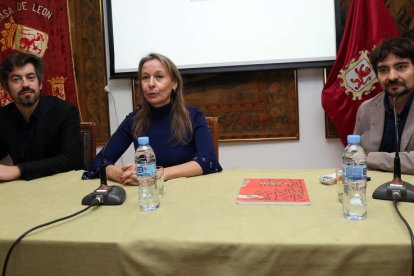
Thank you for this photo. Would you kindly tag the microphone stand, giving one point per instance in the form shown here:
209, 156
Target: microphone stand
396, 187
108, 195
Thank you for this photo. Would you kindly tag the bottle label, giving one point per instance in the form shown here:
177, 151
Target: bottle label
354, 172
146, 170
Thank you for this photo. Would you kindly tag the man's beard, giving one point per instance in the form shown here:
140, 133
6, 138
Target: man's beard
397, 93
28, 101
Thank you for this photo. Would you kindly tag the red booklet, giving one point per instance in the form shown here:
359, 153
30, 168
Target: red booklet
273, 191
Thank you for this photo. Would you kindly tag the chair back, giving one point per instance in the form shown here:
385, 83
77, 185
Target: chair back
213, 125
88, 133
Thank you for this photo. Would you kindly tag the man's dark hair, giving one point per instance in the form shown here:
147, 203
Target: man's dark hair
19, 59
402, 47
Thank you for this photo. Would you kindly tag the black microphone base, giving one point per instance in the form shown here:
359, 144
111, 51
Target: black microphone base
114, 196
386, 191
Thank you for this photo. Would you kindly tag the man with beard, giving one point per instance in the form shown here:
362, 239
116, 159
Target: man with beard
40, 134
393, 62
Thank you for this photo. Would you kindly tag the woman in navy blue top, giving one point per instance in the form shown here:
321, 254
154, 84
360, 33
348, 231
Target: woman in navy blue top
179, 135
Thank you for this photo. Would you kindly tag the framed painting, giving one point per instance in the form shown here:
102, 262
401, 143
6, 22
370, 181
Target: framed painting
251, 106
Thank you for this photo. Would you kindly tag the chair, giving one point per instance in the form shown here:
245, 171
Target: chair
212, 123
88, 133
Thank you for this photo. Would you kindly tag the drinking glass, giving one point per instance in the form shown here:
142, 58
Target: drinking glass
160, 180
340, 184
148, 194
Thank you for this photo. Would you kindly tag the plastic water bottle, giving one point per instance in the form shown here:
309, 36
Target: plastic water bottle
146, 175
354, 177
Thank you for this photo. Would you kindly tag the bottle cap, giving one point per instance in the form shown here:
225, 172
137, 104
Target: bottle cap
354, 139
143, 140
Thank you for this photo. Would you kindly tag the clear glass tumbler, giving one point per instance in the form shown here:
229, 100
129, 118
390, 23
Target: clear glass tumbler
340, 184
148, 197
160, 180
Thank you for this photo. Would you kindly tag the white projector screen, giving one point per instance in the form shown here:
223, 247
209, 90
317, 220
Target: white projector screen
222, 35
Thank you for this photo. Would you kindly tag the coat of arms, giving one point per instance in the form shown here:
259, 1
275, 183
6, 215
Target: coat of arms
24, 39
358, 76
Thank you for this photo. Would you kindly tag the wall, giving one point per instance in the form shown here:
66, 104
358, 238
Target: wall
312, 150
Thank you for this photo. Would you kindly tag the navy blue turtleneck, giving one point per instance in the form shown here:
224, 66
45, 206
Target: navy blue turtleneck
200, 148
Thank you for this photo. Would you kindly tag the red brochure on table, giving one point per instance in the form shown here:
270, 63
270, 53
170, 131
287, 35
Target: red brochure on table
273, 191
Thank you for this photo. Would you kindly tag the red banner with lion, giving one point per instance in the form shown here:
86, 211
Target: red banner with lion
352, 79
41, 28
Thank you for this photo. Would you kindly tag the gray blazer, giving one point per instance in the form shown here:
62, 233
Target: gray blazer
370, 125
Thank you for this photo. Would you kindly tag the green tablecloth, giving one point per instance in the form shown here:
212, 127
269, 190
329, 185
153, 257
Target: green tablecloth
200, 230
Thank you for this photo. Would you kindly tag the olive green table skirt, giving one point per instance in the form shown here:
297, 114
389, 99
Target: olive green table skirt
200, 230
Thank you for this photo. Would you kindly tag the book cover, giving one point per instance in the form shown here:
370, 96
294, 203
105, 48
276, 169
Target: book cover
273, 191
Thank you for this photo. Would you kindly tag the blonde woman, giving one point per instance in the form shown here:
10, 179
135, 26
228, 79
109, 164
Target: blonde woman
178, 134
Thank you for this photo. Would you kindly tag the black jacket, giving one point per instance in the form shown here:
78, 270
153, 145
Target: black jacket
55, 142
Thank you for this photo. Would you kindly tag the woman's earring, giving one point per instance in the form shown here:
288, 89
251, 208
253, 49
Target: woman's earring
173, 94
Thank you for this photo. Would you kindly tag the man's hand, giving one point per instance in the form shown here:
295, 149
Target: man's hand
8, 173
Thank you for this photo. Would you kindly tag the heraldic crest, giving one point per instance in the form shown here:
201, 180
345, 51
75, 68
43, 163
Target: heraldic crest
358, 76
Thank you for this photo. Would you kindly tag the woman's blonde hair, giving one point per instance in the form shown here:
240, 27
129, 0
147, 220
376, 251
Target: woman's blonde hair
181, 126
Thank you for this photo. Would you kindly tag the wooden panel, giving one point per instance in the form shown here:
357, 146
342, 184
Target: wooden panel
86, 24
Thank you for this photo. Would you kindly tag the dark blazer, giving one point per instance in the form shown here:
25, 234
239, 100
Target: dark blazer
370, 125
58, 140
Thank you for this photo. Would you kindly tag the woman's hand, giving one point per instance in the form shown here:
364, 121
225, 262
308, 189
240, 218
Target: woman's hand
125, 175
129, 175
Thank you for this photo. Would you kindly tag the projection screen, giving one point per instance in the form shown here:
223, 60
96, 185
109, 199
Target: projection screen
222, 35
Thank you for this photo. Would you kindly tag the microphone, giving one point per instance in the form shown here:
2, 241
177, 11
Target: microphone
396, 187
108, 195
